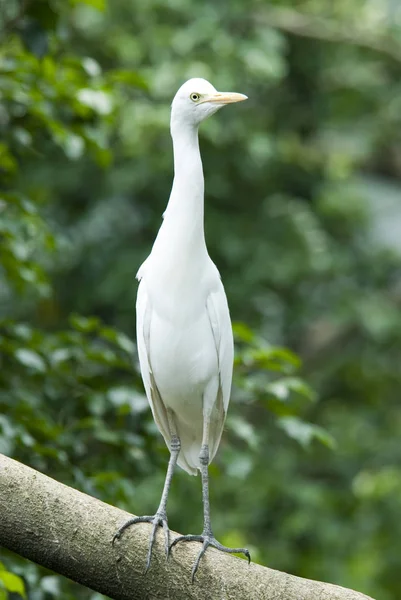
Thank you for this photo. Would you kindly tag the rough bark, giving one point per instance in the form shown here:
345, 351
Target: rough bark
70, 533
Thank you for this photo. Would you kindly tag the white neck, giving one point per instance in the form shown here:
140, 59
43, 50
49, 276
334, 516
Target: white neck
184, 212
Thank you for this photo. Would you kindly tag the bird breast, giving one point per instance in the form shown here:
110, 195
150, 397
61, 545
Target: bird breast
179, 284
182, 348
183, 358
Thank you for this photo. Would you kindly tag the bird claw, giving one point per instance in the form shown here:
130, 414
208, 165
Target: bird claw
207, 540
155, 520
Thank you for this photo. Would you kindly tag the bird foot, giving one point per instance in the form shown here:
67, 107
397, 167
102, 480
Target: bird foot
160, 518
207, 539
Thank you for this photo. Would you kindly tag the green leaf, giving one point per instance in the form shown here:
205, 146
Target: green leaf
120, 396
282, 388
30, 359
243, 430
99, 5
125, 343
98, 100
51, 585
118, 338
304, 433
84, 324
243, 333
91, 66
128, 78
272, 358
7, 161
13, 583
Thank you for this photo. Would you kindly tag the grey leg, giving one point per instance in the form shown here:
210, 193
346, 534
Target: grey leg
204, 464
206, 538
160, 518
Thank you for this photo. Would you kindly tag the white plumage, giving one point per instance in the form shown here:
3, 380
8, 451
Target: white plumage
186, 361
184, 330
184, 333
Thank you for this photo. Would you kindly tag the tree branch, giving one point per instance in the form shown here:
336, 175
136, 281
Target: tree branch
321, 28
70, 533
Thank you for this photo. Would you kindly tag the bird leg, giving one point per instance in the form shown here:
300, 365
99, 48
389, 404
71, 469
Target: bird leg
206, 538
160, 518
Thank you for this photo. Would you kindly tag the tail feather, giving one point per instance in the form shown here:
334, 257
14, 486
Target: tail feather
191, 441
191, 434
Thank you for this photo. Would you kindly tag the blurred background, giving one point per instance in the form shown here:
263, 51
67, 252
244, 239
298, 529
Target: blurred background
303, 219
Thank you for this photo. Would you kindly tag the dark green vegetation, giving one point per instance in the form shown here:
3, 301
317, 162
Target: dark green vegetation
303, 219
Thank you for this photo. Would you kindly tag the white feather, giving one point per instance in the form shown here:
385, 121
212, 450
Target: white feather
184, 330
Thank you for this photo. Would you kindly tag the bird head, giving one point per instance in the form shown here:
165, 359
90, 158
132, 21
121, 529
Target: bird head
197, 99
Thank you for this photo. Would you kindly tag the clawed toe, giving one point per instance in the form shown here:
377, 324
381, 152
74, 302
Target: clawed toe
186, 538
155, 521
206, 541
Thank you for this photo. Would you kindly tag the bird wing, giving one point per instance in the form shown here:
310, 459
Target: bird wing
219, 317
143, 319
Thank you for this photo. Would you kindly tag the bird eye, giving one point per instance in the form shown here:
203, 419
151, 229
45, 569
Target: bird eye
194, 97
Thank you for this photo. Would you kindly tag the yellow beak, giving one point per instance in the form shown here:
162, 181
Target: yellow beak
225, 98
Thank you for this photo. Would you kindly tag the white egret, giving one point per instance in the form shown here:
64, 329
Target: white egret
184, 333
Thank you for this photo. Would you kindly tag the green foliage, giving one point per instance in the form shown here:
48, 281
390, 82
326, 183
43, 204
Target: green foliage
303, 221
10, 583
